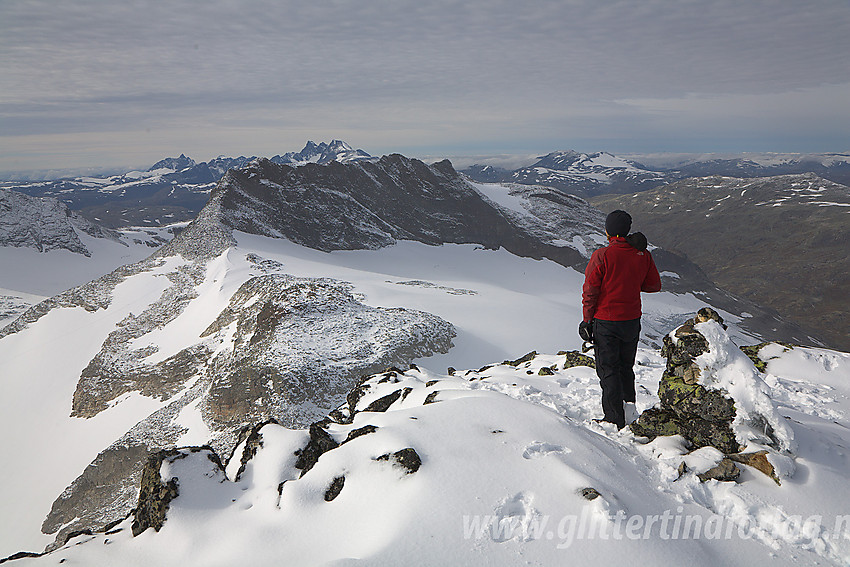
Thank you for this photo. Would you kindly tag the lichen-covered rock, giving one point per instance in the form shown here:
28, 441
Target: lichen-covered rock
661, 422
575, 358
701, 415
693, 399
752, 351
525, 358
711, 395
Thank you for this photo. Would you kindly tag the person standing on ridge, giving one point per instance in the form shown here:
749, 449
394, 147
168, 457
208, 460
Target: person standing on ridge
613, 281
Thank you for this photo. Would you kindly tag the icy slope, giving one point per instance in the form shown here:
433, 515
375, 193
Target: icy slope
508, 467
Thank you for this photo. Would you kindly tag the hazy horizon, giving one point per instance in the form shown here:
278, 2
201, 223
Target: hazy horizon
97, 84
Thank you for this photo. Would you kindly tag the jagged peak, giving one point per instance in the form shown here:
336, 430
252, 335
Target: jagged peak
177, 164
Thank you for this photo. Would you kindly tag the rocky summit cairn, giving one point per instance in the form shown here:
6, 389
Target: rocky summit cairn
712, 395
701, 415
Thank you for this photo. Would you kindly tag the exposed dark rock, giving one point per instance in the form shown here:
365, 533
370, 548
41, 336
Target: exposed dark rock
155, 495
320, 442
525, 358
354, 396
252, 443
335, 488
407, 458
589, 493
20, 555
432, 397
656, 422
359, 432
382, 404
546, 371
725, 471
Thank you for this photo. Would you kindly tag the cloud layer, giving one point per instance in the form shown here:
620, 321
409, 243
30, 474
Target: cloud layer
221, 76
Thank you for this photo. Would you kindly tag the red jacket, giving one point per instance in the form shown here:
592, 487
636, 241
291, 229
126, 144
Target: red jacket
614, 279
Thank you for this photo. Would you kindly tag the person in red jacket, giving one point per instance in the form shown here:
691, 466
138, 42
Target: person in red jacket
613, 281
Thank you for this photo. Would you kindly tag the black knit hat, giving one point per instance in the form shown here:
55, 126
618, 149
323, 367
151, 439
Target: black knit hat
618, 223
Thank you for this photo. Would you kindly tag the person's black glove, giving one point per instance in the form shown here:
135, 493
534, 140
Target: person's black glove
585, 331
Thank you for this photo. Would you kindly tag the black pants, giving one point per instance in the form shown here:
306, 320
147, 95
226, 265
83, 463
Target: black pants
615, 345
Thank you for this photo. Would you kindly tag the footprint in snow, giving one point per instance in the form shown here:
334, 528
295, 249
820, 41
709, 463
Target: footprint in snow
541, 449
515, 518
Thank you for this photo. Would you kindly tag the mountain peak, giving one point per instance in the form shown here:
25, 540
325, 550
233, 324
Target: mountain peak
176, 164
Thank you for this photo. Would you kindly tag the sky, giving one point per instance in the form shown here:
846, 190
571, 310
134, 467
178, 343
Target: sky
99, 84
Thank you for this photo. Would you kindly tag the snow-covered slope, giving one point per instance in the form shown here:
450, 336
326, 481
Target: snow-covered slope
46, 249
499, 465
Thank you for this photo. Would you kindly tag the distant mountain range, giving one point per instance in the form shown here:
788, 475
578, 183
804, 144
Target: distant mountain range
587, 175
172, 190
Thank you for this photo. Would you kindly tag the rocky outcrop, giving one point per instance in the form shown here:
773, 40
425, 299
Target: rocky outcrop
296, 347
154, 493
711, 397
158, 488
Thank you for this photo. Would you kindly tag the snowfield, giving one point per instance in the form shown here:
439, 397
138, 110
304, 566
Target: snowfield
507, 457
506, 453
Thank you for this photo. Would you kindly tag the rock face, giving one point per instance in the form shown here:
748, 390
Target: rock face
158, 488
700, 403
44, 224
369, 205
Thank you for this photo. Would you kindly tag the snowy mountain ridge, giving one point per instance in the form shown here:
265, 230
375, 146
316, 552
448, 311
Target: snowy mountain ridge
591, 174
44, 224
172, 190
